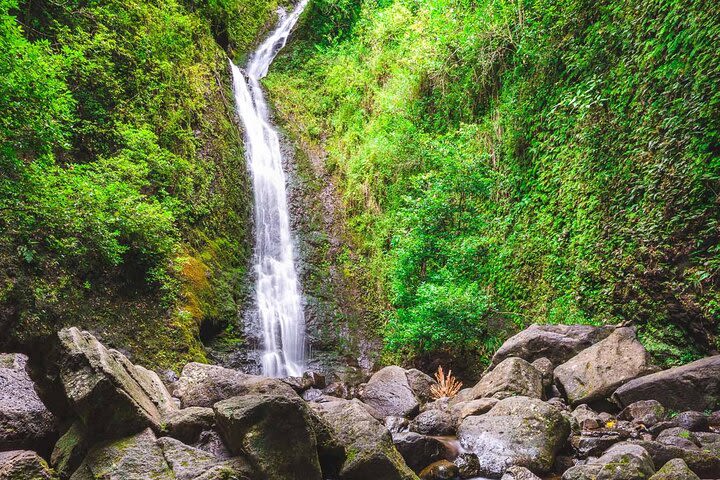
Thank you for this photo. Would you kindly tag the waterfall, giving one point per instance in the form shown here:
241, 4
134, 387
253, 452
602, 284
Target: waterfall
277, 289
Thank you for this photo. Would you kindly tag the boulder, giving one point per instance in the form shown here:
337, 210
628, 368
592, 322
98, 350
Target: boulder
513, 376
420, 384
621, 462
473, 407
24, 465
110, 395
596, 372
703, 462
675, 469
693, 421
434, 422
137, 457
274, 431
25, 423
679, 437
69, 450
519, 473
695, 386
419, 450
371, 453
202, 385
397, 424
388, 392
517, 431
440, 470
594, 443
233, 469
468, 465
546, 368
188, 423
331, 452
557, 343
186, 463
646, 412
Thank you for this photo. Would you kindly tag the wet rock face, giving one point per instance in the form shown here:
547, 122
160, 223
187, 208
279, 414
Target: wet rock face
596, 372
517, 431
24, 465
369, 446
620, 462
25, 422
513, 376
695, 386
274, 431
440, 470
557, 343
202, 385
388, 392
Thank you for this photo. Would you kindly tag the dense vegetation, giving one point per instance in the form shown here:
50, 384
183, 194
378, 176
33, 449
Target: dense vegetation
124, 201
505, 162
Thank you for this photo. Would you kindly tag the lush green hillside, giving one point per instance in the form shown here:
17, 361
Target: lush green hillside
509, 162
124, 200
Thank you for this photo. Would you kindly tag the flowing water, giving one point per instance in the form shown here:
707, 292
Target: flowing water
277, 290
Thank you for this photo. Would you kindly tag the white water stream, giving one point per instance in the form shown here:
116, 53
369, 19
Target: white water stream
277, 290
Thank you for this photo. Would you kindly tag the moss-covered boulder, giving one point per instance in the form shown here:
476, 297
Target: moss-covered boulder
188, 423
69, 450
517, 431
675, 469
596, 372
620, 462
274, 431
110, 395
369, 446
24, 465
25, 422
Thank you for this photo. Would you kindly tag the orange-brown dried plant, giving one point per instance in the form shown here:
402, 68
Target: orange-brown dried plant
447, 385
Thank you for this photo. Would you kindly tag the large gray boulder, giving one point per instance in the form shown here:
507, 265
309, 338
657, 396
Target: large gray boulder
675, 469
388, 392
188, 463
695, 386
420, 383
558, 343
371, 453
419, 450
25, 423
703, 461
137, 457
434, 422
596, 372
513, 376
110, 395
188, 423
519, 431
202, 385
274, 431
24, 465
620, 462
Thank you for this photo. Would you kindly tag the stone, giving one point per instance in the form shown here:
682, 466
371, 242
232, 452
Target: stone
331, 452
186, 463
420, 383
704, 463
695, 386
596, 372
137, 457
110, 395
519, 473
693, 421
336, 389
188, 423
646, 412
69, 450
419, 450
312, 379
621, 462
434, 422
473, 407
274, 431
211, 442
313, 395
25, 422
675, 469
24, 465
546, 368
468, 465
513, 376
679, 437
440, 470
557, 343
371, 453
519, 431
397, 424
202, 385
593, 444
388, 392
233, 469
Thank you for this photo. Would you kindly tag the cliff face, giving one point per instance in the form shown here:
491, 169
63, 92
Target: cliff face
125, 206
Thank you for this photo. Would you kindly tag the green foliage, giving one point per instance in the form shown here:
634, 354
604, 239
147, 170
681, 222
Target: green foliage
511, 162
119, 165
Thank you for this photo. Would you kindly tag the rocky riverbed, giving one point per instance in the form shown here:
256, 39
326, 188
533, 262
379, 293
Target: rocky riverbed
570, 402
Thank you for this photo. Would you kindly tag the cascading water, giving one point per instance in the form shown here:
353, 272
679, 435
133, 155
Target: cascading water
277, 289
